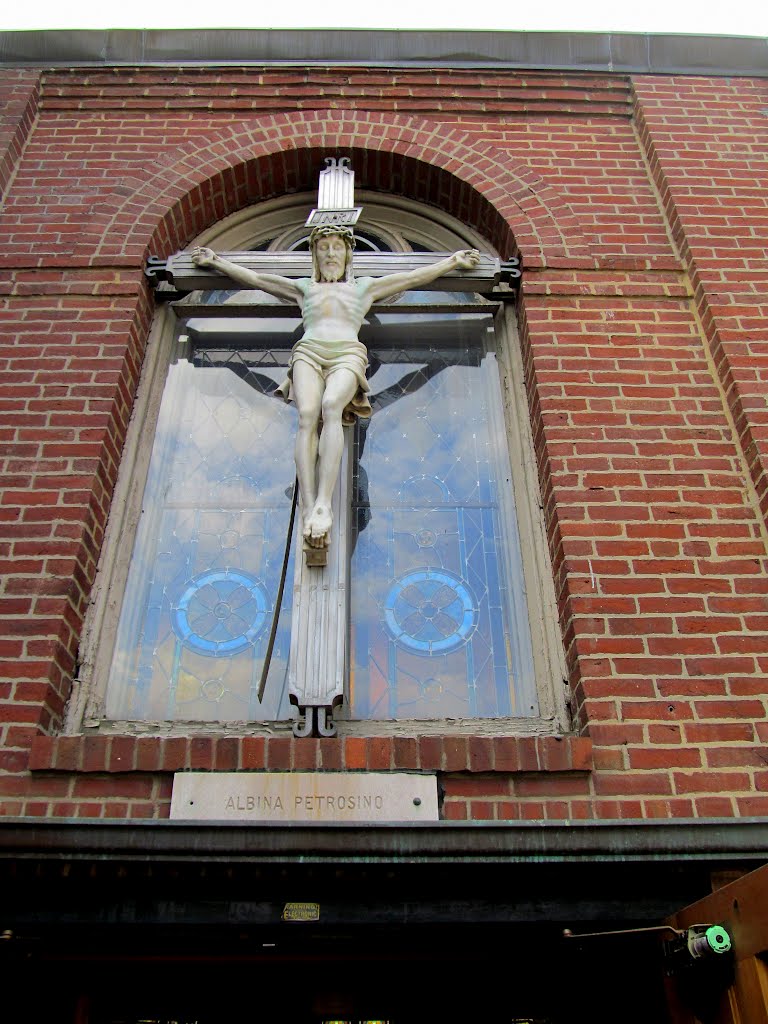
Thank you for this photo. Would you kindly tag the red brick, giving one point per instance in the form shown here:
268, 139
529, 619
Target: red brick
148, 753
475, 786
122, 755
455, 811
201, 753
95, 753
618, 784
306, 753
532, 811
711, 782
175, 756
405, 752
455, 753
505, 753
482, 810
431, 753
664, 757
41, 752
480, 754
355, 752
528, 754
279, 753
253, 752
379, 753
226, 754
68, 753
331, 751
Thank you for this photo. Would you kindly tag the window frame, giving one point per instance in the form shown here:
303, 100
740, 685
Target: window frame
396, 220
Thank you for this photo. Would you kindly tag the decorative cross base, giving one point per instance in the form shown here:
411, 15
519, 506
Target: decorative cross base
318, 721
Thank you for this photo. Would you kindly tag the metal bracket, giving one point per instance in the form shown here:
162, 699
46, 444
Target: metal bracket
701, 942
698, 942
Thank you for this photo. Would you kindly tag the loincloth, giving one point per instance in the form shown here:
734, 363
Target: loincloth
325, 357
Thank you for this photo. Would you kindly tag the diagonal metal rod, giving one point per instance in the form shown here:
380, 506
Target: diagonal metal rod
568, 934
279, 599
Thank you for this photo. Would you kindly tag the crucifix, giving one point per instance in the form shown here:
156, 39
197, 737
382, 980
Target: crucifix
327, 381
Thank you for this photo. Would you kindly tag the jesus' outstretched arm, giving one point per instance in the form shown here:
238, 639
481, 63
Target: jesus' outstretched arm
282, 287
391, 284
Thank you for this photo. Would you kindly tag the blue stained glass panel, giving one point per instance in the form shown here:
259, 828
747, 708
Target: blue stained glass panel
439, 620
199, 599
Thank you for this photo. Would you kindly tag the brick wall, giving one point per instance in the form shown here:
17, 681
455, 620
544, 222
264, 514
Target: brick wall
639, 209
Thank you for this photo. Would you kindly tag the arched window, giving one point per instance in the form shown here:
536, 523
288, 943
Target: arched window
451, 611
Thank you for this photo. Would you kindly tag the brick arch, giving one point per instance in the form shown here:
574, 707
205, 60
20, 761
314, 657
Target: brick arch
201, 182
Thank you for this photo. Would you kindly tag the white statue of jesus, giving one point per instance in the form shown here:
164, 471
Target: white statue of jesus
326, 374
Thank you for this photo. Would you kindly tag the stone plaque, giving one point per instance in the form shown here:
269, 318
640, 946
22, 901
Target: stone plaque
304, 796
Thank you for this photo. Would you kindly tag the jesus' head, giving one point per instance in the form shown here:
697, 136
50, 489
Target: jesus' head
331, 247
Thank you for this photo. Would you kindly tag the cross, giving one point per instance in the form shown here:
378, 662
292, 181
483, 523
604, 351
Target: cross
327, 381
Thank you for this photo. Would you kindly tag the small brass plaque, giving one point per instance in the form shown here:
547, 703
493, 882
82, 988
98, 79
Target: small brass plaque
301, 912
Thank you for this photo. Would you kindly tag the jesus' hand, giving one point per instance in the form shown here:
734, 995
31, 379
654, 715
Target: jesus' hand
202, 256
466, 259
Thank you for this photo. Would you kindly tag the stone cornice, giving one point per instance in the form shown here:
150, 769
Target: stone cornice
577, 51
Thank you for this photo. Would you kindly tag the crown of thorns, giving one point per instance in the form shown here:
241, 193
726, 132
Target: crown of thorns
324, 230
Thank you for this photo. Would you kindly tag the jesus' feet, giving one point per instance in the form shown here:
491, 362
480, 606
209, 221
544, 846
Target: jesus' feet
317, 526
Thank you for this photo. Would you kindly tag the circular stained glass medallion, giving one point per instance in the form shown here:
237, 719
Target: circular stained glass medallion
430, 611
220, 612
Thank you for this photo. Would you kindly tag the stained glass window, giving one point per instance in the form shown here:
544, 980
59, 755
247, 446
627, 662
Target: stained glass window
439, 620
438, 612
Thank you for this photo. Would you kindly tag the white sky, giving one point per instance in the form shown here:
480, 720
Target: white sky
689, 17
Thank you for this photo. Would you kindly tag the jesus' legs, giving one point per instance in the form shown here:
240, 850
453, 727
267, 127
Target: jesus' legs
340, 388
317, 463
307, 393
